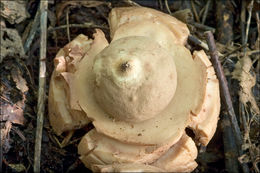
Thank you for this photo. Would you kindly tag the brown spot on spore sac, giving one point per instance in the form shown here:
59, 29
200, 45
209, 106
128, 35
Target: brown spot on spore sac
204, 110
132, 98
147, 67
139, 134
171, 76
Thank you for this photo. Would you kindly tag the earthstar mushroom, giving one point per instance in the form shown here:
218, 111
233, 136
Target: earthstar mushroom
140, 92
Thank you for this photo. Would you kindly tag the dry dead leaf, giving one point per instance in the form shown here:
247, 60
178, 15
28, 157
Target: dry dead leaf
5, 137
20, 82
11, 43
247, 81
244, 158
13, 114
13, 11
17, 167
223, 48
60, 7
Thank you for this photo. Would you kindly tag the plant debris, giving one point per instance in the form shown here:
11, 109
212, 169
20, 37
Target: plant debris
11, 43
247, 81
14, 11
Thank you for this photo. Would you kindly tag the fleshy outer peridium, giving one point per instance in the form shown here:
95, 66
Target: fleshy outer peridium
121, 17
65, 116
64, 111
126, 167
160, 140
109, 150
96, 148
205, 122
180, 157
169, 124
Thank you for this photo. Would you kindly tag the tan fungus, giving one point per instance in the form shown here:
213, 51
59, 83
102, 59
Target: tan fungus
140, 92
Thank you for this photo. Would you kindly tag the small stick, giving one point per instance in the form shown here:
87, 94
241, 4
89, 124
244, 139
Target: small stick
226, 95
167, 7
198, 42
230, 148
132, 3
242, 21
67, 23
34, 28
235, 50
258, 23
203, 27
85, 25
250, 7
205, 12
248, 53
201, 11
160, 4
41, 90
257, 44
195, 11
1, 148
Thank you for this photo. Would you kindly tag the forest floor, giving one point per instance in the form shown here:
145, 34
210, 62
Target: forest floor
236, 28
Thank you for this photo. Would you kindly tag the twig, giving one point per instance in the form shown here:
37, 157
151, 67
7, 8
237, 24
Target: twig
225, 95
167, 7
195, 11
85, 25
224, 20
66, 140
41, 90
34, 28
257, 22
132, 3
198, 3
257, 44
230, 148
235, 50
160, 4
198, 42
248, 53
250, 7
201, 11
74, 166
67, 23
19, 133
242, 21
205, 12
203, 27
1, 144
18, 107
